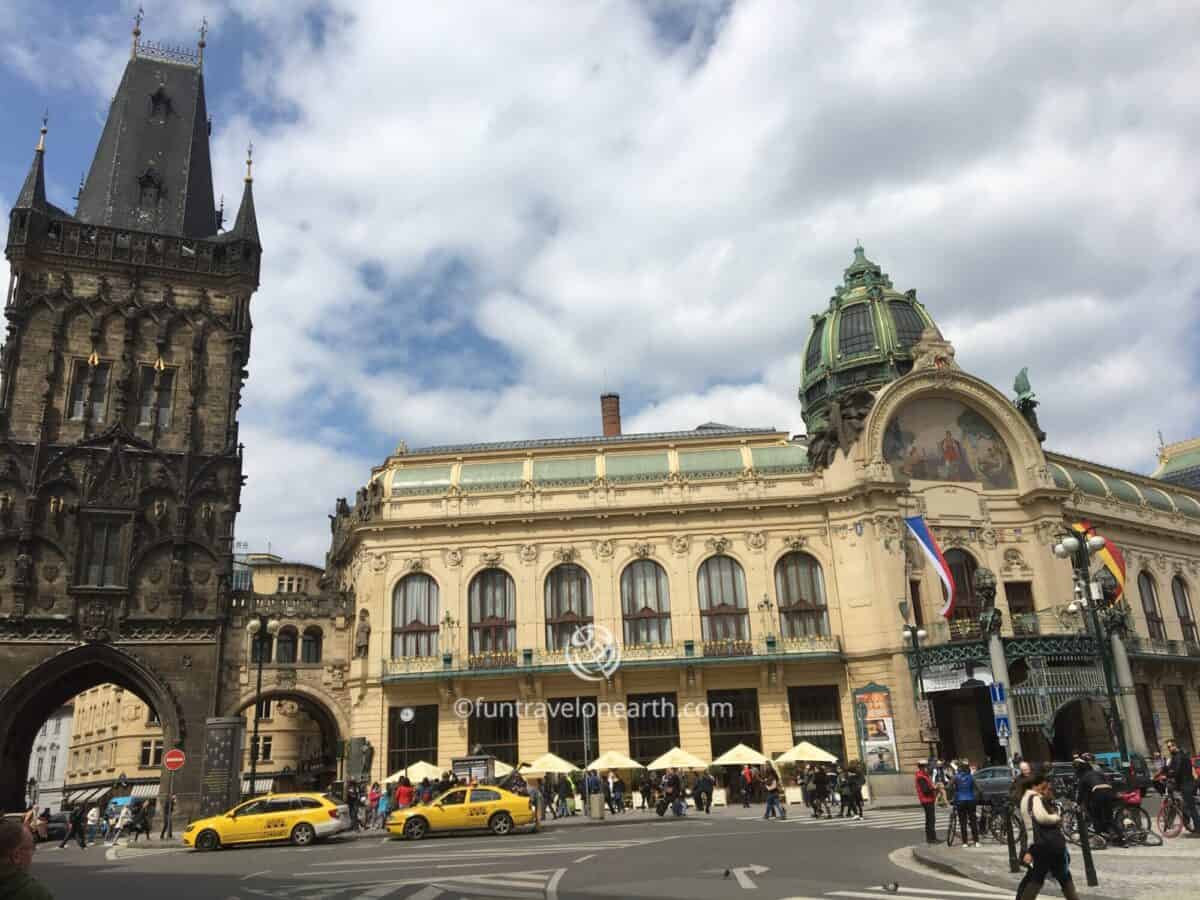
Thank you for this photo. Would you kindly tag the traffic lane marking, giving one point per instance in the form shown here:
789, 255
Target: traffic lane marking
986, 895
255, 874
586, 858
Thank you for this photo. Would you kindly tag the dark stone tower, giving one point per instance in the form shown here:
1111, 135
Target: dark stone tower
120, 381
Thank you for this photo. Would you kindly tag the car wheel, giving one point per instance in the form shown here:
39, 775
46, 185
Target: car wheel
303, 834
207, 840
415, 829
501, 823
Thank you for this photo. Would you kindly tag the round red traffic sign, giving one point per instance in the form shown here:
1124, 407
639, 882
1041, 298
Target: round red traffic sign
174, 760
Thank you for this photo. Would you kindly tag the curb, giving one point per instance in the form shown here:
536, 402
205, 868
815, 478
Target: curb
992, 879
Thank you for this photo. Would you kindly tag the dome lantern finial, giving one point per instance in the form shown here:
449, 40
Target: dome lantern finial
41, 147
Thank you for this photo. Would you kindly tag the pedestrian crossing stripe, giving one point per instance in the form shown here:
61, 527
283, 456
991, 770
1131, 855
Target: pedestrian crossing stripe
910, 893
532, 885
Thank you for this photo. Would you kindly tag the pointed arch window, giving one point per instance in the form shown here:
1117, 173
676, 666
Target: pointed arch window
493, 609
1148, 591
1183, 607
415, 610
800, 589
722, 588
646, 603
568, 603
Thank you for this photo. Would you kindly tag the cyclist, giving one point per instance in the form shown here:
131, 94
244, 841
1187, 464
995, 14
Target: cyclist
1094, 794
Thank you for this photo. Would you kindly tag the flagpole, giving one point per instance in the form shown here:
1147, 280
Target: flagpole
911, 601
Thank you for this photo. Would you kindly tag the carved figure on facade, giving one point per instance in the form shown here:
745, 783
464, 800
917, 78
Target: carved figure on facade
454, 558
756, 540
416, 564
604, 549
932, 351
680, 544
984, 583
565, 554
362, 635
491, 558
847, 418
717, 545
643, 550
529, 552
795, 542
1026, 403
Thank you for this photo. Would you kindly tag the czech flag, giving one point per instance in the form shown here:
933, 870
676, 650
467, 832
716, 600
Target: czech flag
933, 553
1112, 558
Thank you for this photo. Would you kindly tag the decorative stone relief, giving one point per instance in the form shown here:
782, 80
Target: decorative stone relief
988, 538
565, 554
756, 540
605, 549
454, 558
491, 558
717, 545
529, 552
416, 564
1014, 563
643, 550
680, 544
378, 562
285, 677
795, 542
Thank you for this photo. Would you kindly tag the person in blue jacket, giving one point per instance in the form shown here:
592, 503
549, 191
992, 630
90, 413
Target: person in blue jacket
966, 797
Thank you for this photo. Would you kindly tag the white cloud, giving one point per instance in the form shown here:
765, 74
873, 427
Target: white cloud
663, 220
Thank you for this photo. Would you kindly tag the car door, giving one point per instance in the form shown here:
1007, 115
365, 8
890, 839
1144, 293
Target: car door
450, 811
483, 802
248, 823
278, 818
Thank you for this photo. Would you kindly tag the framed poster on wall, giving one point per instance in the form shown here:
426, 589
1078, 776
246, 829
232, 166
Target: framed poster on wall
876, 728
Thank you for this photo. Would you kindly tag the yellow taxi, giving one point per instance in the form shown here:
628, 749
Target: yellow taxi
464, 809
299, 818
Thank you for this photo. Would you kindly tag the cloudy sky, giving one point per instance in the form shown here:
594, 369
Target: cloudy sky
478, 216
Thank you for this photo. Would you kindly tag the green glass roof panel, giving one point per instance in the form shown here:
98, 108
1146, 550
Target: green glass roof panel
420, 480
1187, 505
792, 458
1123, 490
497, 476
1059, 474
577, 470
1087, 482
710, 463
1157, 499
637, 467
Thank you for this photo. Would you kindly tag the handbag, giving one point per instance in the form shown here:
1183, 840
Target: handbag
1047, 838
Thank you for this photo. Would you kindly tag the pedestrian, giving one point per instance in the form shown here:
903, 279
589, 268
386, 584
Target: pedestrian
939, 776
383, 806
965, 801
404, 793
647, 791
747, 785
76, 824
617, 789
845, 788
1047, 853
927, 797
858, 782
352, 804
16, 856
535, 799
426, 791
136, 819
168, 811
93, 822
373, 795
771, 783
702, 794
673, 792
1179, 769
821, 793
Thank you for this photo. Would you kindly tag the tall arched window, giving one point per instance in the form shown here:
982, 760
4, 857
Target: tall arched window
310, 645
1148, 590
493, 603
646, 603
962, 570
723, 614
1183, 606
800, 589
568, 603
262, 645
285, 645
415, 616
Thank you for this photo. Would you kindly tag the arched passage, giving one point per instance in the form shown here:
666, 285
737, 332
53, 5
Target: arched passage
1081, 725
44, 688
303, 742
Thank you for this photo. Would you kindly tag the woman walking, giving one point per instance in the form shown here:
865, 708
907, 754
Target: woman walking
1048, 852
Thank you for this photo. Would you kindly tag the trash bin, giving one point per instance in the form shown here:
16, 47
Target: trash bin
596, 805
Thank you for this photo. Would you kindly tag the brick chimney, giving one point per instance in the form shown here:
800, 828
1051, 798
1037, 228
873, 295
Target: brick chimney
610, 414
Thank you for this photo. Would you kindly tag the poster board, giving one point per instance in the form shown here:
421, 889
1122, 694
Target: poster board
480, 768
876, 729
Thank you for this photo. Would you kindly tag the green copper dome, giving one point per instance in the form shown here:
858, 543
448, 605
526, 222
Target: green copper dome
864, 339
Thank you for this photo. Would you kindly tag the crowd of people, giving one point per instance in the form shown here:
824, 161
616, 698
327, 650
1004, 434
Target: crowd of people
89, 824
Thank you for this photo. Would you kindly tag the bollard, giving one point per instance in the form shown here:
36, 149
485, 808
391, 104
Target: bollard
1089, 867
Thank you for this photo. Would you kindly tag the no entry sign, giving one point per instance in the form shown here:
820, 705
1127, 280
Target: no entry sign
174, 760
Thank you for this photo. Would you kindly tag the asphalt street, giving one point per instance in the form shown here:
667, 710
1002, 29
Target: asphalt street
729, 854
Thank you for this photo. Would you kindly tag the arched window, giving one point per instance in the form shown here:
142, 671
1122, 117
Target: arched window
310, 645
568, 603
1183, 606
1154, 621
723, 614
646, 603
856, 331
415, 616
800, 589
962, 570
261, 644
285, 645
493, 601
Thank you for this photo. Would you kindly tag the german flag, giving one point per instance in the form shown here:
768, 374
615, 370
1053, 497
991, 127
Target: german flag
1112, 558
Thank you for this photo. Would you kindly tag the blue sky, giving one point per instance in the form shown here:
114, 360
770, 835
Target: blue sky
479, 216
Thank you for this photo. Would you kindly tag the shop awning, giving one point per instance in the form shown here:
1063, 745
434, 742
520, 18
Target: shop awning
143, 791
86, 795
262, 784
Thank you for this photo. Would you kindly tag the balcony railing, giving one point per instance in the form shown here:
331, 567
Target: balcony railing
1055, 621
686, 652
1142, 646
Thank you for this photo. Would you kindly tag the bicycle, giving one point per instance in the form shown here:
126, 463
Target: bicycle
1171, 818
995, 821
952, 828
1070, 826
1132, 823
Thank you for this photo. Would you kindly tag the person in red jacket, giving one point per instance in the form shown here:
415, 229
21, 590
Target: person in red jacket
404, 793
927, 795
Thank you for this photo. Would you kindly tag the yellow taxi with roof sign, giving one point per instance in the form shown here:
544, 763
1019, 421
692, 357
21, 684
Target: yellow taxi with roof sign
465, 808
301, 818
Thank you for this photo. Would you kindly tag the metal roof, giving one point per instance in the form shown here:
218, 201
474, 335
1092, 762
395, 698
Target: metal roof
705, 432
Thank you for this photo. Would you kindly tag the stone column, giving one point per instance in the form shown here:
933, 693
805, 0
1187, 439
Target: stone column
1131, 718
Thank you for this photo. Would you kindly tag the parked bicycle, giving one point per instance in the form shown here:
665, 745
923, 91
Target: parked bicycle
1070, 826
1171, 818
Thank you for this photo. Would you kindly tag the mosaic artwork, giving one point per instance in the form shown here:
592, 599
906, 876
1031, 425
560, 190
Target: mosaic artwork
942, 440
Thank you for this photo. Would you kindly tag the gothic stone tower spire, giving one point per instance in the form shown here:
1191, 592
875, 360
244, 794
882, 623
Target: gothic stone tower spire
120, 382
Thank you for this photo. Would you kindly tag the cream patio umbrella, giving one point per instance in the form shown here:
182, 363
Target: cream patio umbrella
676, 758
611, 759
502, 769
806, 752
547, 764
741, 755
416, 772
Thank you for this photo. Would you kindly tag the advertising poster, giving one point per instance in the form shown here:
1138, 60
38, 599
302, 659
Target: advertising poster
878, 728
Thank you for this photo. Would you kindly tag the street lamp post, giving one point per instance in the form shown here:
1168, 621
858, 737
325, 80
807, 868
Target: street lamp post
916, 634
262, 630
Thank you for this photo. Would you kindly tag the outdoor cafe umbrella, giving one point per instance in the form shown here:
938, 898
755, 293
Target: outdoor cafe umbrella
546, 764
502, 769
675, 758
806, 752
416, 772
741, 755
611, 759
